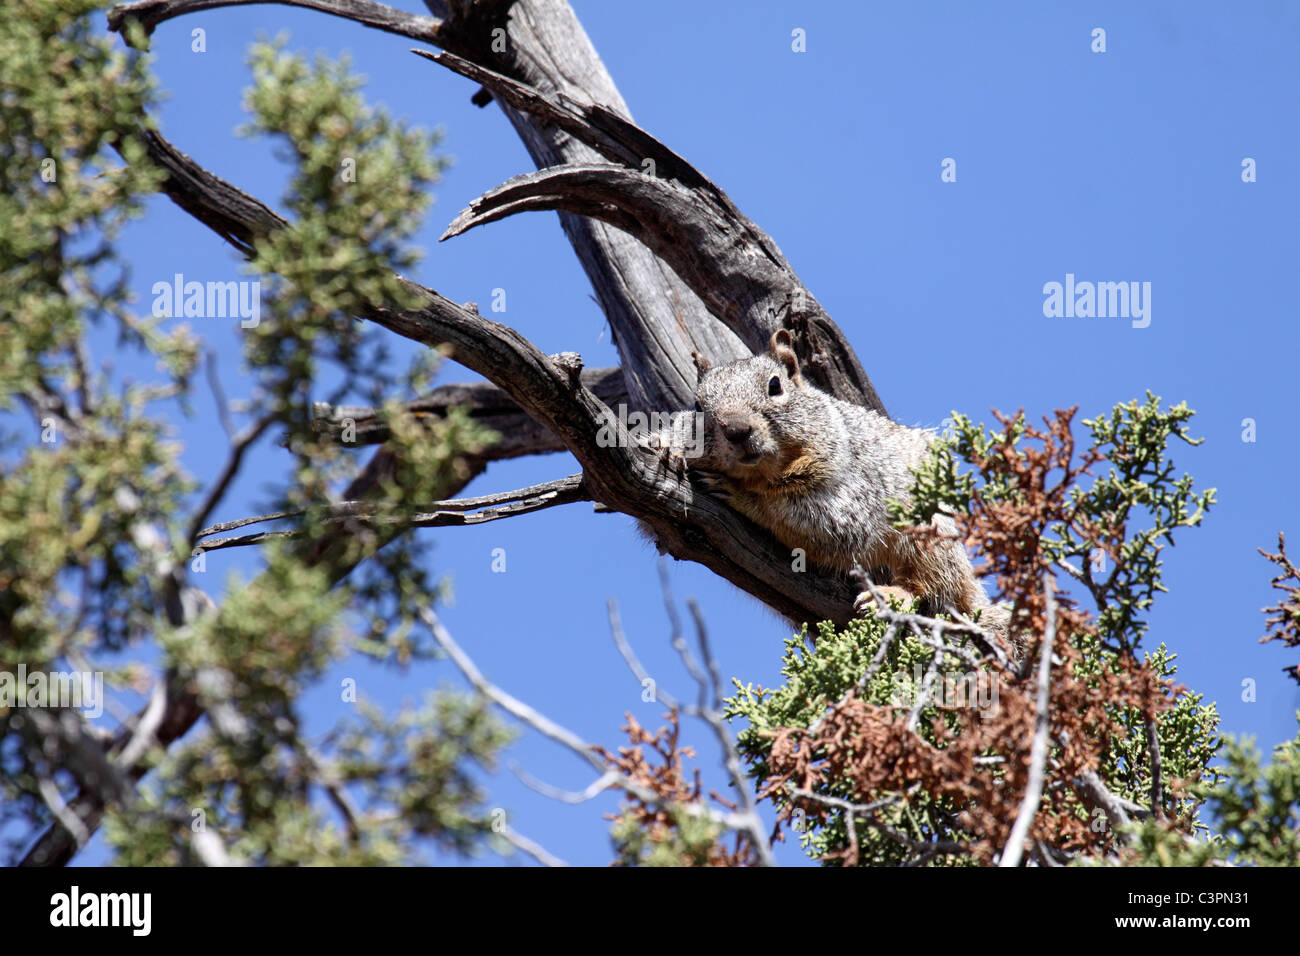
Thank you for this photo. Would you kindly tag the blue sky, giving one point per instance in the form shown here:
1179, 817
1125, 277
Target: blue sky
1115, 166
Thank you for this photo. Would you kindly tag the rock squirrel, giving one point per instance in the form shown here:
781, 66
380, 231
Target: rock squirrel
816, 472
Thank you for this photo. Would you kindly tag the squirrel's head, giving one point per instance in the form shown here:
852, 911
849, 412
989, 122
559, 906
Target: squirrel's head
750, 429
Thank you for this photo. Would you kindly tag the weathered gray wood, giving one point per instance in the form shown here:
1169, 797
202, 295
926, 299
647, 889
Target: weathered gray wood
735, 268
486, 404
625, 476
150, 13
655, 320
688, 525
550, 52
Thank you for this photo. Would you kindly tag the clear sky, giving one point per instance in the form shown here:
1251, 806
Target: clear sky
1117, 166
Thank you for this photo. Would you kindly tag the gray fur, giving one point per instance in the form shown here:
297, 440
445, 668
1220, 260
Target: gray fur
817, 472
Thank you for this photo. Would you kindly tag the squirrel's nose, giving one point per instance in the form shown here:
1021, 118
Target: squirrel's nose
737, 431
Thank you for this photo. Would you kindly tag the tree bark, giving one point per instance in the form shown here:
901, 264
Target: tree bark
654, 318
718, 286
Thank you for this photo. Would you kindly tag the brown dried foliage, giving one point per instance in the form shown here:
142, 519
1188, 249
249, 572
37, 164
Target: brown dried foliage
666, 778
1284, 625
870, 747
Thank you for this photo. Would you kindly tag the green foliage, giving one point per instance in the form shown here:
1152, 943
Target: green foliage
357, 193
1134, 439
95, 507
397, 777
816, 678
1131, 510
1128, 514
1187, 733
69, 506
81, 491
392, 587
63, 197
1253, 809
690, 840
273, 637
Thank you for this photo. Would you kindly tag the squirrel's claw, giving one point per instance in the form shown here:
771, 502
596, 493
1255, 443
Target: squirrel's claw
673, 460
866, 600
669, 457
862, 603
713, 482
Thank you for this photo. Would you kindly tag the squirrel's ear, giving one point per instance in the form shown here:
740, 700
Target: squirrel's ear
782, 349
702, 365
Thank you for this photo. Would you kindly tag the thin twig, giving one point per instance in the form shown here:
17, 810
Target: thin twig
242, 442
1157, 786
219, 395
634, 663
713, 717
593, 790
1039, 748
563, 736
867, 811
531, 847
923, 692
62, 812
451, 512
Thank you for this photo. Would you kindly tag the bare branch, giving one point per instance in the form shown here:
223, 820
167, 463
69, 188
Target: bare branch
337, 791
634, 663
1039, 747
531, 847
145, 732
572, 742
592, 791
54, 800
868, 811
519, 433
218, 394
441, 514
1092, 786
656, 321
210, 850
923, 692
1157, 786
705, 710
919, 623
620, 474
511, 705
150, 13
735, 268
238, 447
678, 639
736, 271
731, 759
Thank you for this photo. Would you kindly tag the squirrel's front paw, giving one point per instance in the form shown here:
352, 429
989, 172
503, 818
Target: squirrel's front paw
713, 482
862, 603
670, 457
888, 592
673, 460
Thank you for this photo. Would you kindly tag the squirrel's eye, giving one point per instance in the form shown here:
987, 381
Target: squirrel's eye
774, 386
